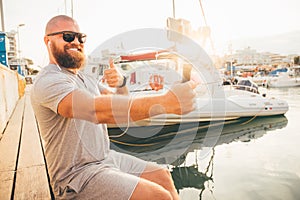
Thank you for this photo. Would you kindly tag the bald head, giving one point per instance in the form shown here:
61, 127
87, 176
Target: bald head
65, 49
54, 23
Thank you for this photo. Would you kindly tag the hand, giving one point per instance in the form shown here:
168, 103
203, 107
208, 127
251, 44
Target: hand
181, 98
112, 76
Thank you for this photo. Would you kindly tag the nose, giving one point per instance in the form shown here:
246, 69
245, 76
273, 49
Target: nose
76, 40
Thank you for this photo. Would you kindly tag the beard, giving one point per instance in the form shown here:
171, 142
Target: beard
65, 59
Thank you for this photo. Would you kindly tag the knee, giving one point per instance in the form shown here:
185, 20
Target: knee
148, 190
159, 175
165, 174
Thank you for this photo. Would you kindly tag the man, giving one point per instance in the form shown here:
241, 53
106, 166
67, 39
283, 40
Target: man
72, 115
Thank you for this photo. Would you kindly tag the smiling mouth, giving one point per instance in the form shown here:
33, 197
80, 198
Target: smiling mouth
75, 49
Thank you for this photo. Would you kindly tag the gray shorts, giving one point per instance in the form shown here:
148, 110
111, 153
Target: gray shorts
116, 181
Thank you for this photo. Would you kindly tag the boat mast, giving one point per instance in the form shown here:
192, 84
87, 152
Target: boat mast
202, 10
2, 16
173, 8
205, 22
72, 7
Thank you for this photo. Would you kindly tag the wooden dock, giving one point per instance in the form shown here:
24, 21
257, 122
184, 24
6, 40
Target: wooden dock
23, 172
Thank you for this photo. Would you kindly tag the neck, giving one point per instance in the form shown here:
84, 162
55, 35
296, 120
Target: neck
75, 71
72, 70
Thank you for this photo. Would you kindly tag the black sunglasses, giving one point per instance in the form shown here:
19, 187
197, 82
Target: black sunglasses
69, 36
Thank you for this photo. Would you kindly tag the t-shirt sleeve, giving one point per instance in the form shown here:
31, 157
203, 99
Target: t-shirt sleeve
51, 89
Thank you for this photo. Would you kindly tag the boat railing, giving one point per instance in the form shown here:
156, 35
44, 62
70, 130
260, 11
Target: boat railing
250, 88
246, 85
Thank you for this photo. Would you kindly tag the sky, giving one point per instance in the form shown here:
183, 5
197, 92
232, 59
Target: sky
102, 19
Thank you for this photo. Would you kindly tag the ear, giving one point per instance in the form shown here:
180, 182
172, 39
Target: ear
47, 41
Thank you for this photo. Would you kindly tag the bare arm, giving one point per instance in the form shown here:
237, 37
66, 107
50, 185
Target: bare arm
114, 109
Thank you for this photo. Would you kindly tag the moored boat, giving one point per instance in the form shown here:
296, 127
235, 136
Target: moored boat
289, 78
218, 102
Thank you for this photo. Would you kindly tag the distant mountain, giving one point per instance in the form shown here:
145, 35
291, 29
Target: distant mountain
285, 43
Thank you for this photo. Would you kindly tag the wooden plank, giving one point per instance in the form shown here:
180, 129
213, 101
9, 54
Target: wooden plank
9, 146
31, 178
6, 184
32, 184
31, 153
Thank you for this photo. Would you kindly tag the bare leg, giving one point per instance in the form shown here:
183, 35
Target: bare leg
147, 190
155, 180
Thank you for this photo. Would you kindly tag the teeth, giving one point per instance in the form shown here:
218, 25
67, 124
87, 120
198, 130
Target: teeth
73, 49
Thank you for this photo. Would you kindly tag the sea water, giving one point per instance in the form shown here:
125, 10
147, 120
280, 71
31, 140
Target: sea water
252, 158
262, 164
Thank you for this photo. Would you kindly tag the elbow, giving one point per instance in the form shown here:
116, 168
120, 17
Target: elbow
83, 115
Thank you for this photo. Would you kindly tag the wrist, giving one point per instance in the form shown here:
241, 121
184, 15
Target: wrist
170, 103
123, 83
165, 103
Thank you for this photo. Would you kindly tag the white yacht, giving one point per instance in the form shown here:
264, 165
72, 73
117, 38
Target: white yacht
214, 101
237, 101
289, 78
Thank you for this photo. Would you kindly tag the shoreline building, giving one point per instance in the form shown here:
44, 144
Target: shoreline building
3, 49
8, 53
248, 59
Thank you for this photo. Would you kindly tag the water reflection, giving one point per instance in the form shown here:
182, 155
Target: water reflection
185, 174
189, 176
244, 129
192, 177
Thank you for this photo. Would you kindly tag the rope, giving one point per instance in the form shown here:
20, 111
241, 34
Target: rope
251, 119
134, 145
128, 122
203, 14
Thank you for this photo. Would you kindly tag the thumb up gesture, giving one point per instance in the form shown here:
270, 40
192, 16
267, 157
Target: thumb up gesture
113, 77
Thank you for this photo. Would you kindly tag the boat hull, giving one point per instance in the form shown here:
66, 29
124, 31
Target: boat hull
281, 82
233, 104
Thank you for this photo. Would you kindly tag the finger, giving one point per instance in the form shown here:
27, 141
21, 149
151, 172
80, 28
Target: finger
111, 63
103, 78
110, 72
107, 72
192, 84
111, 76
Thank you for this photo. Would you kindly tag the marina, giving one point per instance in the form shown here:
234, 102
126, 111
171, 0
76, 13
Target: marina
216, 100
241, 141
241, 144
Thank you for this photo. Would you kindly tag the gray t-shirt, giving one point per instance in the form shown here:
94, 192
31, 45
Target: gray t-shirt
74, 148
